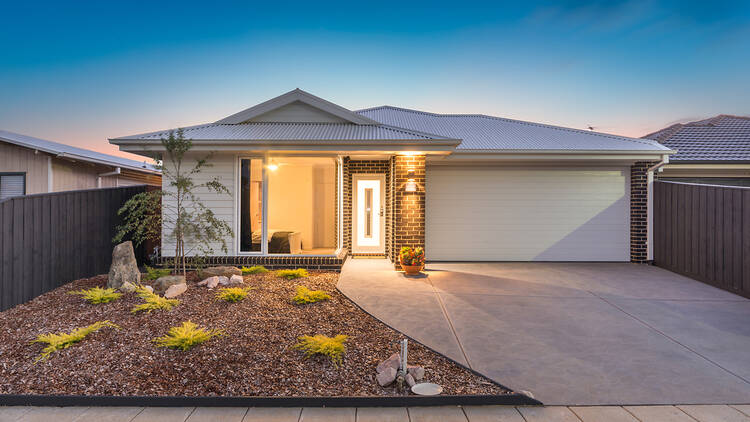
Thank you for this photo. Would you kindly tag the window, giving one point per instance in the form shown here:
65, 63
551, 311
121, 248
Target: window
12, 184
299, 202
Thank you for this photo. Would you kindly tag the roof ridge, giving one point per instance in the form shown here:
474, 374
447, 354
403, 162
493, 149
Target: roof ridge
485, 116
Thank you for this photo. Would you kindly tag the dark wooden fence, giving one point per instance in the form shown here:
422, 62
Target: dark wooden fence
703, 232
47, 240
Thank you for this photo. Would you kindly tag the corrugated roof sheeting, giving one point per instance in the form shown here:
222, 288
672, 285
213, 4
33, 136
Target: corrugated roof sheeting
293, 131
480, 132
72, 152
720, 138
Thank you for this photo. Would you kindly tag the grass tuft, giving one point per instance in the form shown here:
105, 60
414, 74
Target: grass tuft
256, 269
153, 301
232, 294
59, 341
154, 273
305, 296
98, 295
186, 336
332, 347
292, 274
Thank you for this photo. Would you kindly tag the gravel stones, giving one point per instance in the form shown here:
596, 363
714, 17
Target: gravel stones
124, 268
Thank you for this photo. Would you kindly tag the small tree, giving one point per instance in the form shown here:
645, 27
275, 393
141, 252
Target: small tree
176, 211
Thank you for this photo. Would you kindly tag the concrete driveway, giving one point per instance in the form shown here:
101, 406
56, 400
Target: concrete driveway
571, 333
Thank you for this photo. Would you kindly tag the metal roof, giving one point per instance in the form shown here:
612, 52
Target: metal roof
71, 152
268, 131
481, 132
721, 138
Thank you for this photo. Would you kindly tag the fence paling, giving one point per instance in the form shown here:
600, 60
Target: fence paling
703, 232
47, 240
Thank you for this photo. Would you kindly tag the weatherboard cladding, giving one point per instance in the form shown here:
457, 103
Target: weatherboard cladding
480, 132
294, 131
720, 138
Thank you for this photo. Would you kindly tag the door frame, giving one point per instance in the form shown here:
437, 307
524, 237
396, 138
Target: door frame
379, 250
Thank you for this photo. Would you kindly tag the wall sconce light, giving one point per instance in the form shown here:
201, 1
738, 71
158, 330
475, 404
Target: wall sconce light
411, 185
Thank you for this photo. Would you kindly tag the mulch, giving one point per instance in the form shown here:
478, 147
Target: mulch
255, 358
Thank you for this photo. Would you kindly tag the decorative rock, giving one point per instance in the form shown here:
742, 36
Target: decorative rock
236, 279
415, 371
224, 281
410, 380
210, 282
127, 287
149, 288
385, 377
124, 267
392, 362
218, 271
175, 290
162, 283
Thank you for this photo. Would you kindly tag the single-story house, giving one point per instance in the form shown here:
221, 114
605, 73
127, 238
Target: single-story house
711, 151
314, 182
31, 165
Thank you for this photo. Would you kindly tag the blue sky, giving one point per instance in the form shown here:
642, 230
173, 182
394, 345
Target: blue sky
82, 72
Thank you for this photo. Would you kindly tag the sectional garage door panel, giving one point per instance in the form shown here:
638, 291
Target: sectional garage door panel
527, 214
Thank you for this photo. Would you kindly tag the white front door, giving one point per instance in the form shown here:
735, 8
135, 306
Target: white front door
368, 214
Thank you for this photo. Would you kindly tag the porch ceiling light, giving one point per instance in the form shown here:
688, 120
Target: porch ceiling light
272, 166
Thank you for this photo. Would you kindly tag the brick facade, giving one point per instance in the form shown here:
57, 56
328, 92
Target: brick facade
409, 207
352, 167
639, 211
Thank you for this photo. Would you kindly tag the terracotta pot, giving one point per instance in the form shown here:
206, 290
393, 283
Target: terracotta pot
411, 269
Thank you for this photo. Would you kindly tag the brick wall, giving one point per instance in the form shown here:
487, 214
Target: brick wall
639, 211
352, 167
408, 207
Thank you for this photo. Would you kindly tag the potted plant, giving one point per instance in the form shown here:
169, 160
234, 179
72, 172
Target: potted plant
411, 259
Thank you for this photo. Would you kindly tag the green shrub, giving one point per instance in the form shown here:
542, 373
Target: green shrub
256, 269
305, 295
59, 341
153, 301
98, 295
333, 347
154, 273
232, 294
186, 336
292, 274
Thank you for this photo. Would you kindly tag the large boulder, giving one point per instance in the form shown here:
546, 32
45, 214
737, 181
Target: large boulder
124, 268
175, 290
163, 283
218, 271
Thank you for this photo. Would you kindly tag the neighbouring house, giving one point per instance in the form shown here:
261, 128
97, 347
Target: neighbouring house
31, 165
711, 151
313, 183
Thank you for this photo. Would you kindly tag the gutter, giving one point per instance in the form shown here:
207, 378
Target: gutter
650, 206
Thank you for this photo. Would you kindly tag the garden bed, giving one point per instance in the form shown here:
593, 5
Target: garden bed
255, 358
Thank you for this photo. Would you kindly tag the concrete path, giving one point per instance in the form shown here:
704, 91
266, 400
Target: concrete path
571, 333
734, 413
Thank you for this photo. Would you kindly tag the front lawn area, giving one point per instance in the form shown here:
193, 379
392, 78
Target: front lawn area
253, 356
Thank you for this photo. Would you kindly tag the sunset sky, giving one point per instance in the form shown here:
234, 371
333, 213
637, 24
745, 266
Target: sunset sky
80, 73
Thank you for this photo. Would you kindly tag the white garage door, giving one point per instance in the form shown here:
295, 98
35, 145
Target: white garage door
527, 214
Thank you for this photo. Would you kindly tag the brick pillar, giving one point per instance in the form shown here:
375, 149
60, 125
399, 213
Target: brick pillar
408, 207
639, 211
